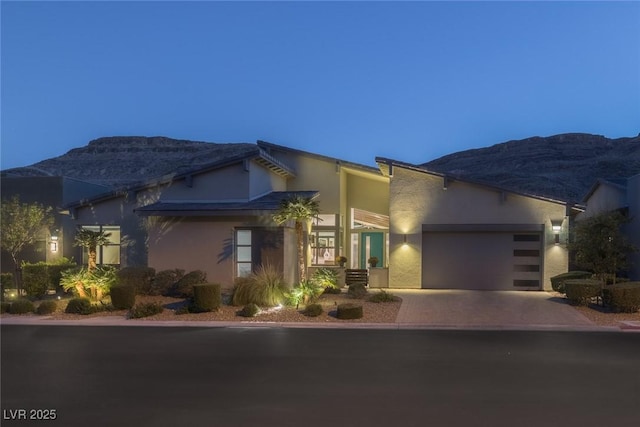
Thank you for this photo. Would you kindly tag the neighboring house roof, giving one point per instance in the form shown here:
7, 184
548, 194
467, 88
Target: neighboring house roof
268, 145
618, 183
257, 154
268, 202
386, 167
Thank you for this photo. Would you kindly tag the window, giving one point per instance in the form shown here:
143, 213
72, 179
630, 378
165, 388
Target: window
108, 254
243, 253
323, 247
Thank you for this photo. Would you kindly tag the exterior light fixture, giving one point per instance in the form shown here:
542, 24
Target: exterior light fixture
53, 244
556, 227
404, 241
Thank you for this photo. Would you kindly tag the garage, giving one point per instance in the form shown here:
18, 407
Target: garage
496, 258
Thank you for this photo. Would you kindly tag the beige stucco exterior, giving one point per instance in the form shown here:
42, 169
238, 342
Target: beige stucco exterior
418, 198
201, 243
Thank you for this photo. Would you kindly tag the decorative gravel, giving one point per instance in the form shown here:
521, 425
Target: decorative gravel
372, 312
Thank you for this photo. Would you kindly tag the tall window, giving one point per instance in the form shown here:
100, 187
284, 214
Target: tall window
323, 247
243, 253
109, 253
325, 239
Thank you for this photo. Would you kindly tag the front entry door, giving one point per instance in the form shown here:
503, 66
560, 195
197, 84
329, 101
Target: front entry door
371, 244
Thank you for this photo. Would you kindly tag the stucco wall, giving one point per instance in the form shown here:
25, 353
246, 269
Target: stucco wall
368, 194
604, 199
314, 174
417, 198
263, 181
229, 183
196, 243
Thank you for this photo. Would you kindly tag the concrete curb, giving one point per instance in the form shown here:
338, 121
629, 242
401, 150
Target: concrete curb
117, 321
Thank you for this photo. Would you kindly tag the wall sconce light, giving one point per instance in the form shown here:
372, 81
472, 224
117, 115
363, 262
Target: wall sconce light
556, 227
53, 244
404, 240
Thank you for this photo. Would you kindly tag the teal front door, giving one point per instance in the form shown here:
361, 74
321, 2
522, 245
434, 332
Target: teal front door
371, 245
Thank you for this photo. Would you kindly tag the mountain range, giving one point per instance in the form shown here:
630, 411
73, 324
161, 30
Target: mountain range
561, 166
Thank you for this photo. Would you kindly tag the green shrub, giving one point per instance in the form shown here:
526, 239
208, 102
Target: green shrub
79, 306
557, 282
610, 278
141, 278
35, 279
55, 270
145, 309
581, 291
313, 310
184, 286
249, 310
165, 281
348, 311
624, 297
357, 290
206, 297
6, 282
265, 288
47, 307
184, 309
4, 307
123, 297
21, 306
327, 278
306, 292
383, 296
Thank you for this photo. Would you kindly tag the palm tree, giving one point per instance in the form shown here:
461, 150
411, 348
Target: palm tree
91, 240
301, 210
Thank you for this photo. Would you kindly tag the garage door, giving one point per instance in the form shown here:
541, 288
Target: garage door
481, 260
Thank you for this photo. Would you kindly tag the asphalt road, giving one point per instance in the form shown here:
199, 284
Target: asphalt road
121, 376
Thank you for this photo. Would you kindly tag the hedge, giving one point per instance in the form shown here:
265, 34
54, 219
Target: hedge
22, 306
184, 287
557, 282
141, 278
123, 297
580, 291
624, 297
35, 279
206, 297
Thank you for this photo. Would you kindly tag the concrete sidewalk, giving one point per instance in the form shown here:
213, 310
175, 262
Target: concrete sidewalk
421, 309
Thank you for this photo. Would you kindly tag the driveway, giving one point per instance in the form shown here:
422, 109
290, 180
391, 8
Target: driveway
486, 309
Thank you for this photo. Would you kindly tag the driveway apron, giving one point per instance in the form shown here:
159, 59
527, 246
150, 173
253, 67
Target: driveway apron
502, 309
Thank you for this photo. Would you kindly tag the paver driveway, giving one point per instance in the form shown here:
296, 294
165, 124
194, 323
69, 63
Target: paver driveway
500, 309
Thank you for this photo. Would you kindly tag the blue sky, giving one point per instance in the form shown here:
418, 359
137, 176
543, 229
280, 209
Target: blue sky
411, 81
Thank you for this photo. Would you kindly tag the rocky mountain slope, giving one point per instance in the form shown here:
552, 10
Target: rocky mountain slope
561, 166
122, 161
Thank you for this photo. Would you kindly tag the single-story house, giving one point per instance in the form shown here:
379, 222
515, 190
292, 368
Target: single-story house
427, 229
621, 194
453, 233
218, 218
